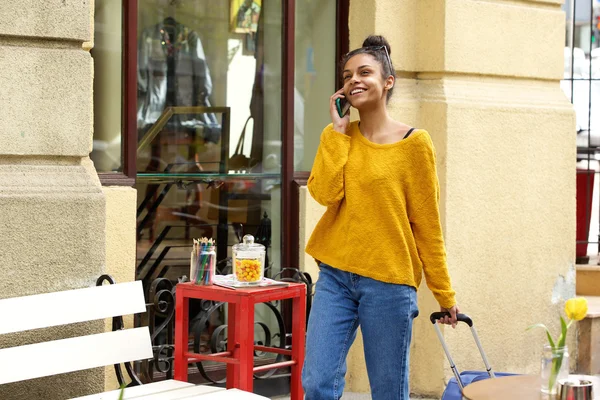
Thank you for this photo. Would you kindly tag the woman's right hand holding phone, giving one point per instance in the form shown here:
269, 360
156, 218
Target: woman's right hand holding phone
340, 124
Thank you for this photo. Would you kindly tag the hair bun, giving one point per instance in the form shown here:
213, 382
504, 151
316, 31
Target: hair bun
377, 40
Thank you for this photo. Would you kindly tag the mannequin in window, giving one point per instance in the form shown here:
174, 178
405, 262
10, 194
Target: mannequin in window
172, 71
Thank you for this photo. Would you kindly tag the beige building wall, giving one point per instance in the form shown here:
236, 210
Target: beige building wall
482, 76
52, 208
120, 249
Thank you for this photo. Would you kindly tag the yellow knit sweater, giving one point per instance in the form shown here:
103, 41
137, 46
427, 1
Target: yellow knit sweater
382, 219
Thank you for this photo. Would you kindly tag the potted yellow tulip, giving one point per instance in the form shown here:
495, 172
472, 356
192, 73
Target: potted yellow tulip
555, 361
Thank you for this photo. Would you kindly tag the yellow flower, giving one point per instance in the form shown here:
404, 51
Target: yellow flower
576, 308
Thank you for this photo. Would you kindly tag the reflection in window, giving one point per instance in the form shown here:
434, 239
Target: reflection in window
209, 128
209, 134
107, 55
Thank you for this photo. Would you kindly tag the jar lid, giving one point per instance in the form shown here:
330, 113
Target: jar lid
248, 245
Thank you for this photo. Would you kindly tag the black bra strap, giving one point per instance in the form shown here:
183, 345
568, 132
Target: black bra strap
408, 133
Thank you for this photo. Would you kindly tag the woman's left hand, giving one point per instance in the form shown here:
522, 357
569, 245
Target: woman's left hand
452, 319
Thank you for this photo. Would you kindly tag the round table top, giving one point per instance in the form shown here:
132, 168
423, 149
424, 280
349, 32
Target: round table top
522, 387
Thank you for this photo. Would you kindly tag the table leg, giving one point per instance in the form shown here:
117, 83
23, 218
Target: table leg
298, 338
246, 331
233, 370
181, 336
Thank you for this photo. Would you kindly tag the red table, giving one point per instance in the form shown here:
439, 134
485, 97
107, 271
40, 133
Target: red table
240, 332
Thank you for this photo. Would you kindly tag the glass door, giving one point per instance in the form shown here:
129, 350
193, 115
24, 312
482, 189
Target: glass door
209, 84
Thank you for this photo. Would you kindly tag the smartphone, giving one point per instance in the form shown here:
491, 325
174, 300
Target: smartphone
343, 107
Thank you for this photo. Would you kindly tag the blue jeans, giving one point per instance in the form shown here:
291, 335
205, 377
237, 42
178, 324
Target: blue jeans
385, 313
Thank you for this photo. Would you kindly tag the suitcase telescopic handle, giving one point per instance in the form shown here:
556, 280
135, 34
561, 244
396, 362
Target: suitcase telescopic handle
460, 317
467, 320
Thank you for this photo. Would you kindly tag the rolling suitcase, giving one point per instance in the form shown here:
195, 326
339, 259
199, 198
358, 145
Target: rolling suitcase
455, 385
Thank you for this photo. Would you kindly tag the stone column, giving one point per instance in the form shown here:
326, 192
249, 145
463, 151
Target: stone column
482, 76
52, 209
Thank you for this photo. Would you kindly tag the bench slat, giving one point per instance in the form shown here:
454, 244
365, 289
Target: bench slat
183, 393
74, 354
19, 314
230, 394
138, 391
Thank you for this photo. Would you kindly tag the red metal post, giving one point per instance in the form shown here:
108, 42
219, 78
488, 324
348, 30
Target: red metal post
298, 337
181, 335
233, 370
246, 340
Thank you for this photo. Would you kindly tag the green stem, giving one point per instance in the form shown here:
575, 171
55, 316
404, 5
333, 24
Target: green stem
122, 392
556, 364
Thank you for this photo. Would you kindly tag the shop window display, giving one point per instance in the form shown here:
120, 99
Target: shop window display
209, 137
209, 74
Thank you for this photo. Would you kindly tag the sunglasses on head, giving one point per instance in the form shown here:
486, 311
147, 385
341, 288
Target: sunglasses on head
384, 48
387, 55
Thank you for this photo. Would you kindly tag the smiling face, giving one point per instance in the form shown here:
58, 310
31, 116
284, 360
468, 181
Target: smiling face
364, 83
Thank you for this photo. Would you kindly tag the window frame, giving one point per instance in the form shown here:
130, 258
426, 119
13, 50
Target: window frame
129, 96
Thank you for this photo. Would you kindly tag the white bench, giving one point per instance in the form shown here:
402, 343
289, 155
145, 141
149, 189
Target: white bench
85, 352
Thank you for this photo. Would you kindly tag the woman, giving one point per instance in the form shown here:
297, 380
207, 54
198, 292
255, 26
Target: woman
381, 231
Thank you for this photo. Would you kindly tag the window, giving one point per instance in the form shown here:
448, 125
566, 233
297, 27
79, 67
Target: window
581, 84
315, 72
209, 81
209, 84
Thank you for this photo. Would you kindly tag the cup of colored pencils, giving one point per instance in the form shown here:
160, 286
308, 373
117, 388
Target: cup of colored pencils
203, 261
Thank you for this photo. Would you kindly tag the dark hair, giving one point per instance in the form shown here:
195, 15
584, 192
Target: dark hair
379, 48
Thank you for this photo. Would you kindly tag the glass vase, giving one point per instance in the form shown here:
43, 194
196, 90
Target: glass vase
555, 367
203, 266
